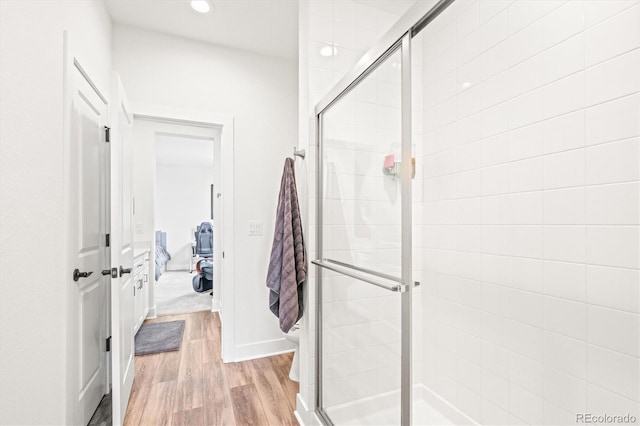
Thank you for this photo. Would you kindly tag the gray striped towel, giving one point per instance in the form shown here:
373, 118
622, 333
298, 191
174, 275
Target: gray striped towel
288, 263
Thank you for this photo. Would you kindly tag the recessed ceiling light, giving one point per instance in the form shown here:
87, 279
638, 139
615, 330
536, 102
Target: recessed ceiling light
329, 51
201, 6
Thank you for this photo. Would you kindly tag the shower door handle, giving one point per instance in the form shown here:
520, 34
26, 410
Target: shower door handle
366, 271
335, 267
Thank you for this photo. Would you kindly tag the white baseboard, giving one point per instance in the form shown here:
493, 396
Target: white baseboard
152, 312
262, 349
305, 416
215, 306
178, 267
301, 412
298, 418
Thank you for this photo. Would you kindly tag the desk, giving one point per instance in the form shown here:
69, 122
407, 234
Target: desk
192, 260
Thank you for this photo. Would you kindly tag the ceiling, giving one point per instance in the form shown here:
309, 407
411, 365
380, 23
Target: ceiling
183, 151
268, 27
397, 7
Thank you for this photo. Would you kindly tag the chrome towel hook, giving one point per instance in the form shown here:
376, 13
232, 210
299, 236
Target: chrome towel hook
299, 153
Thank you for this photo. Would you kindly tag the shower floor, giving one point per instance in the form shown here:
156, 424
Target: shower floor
428, 409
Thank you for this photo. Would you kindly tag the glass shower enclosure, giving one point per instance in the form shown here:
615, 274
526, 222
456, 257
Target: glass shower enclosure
477, 218
364, 268
364, 242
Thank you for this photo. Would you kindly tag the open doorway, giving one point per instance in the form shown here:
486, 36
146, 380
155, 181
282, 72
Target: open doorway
154, 123
185, 199
186, 179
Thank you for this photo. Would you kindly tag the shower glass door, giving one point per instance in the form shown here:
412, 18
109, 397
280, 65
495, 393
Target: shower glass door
361, 289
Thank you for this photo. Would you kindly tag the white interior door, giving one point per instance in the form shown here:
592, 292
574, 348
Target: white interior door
86, 245
122, 310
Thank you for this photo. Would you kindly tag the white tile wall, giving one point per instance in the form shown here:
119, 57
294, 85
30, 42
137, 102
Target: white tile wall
524, 44
620, 75
564, 206
537, 277
563, 59
529, 184
563, 133
613, 162
612, 37
613, 329
613, 246
613, 287
614, 120
613, 371
562, 23
565, 354
563, 96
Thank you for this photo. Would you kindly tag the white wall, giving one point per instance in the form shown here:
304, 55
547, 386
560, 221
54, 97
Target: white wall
260, 92
531, 200
182, 202
184, 174
32, 300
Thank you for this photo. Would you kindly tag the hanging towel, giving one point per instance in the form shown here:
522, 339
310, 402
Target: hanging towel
288, 263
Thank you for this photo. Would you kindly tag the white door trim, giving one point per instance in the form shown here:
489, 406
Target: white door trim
225, 123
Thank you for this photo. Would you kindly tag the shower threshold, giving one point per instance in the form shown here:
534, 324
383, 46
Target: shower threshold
428, 409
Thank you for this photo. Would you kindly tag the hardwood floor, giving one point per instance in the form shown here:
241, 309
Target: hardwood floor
193, 386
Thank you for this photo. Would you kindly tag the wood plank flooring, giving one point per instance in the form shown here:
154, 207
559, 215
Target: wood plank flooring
193, 386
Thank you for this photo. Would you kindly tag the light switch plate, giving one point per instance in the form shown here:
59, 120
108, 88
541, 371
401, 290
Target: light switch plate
255, 227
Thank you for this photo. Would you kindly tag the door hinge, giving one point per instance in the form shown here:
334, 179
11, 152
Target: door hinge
108, 240
223, 255
107, 134
109, 344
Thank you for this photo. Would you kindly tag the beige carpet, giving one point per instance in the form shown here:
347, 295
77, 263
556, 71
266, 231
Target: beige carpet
174, 294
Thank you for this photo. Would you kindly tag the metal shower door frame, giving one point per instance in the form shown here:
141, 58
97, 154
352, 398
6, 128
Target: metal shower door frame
397, 38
